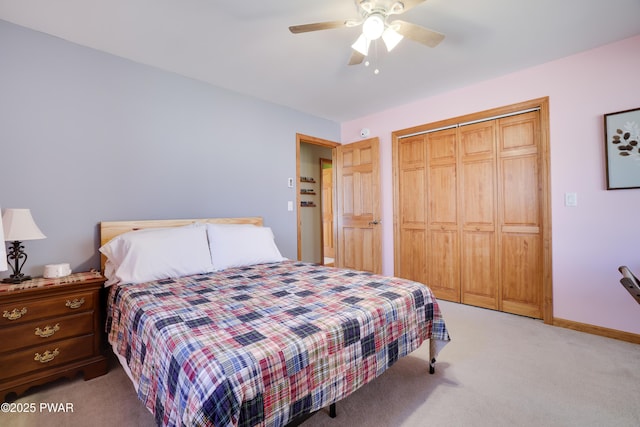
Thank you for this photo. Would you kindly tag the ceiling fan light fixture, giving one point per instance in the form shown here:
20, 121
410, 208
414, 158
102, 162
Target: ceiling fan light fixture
391, 38
374, 17
373, 26
362, 45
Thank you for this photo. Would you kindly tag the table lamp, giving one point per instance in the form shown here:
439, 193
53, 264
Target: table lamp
18, 225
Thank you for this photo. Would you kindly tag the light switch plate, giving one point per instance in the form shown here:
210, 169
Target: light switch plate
571, 199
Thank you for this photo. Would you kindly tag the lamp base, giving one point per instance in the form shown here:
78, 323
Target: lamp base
16, 279
16, 253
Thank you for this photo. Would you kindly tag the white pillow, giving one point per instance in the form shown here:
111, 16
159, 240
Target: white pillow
239, 245
158, 253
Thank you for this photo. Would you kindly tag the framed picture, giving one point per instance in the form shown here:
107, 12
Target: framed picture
622, 142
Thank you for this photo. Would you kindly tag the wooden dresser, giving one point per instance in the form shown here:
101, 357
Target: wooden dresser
50, 328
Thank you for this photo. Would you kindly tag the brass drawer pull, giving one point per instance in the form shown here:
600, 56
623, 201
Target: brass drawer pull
47, 331
47, 356
76, 303
15, 313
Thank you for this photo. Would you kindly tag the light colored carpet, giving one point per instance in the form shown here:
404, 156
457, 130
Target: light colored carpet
499, 370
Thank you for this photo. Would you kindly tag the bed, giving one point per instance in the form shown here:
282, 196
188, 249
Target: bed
251, 338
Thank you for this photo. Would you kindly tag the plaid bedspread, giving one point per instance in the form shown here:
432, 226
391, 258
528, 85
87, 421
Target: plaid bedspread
264, 344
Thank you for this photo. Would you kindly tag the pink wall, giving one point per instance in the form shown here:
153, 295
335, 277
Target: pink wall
589, 241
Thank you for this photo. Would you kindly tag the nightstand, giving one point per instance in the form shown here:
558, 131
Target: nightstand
50, 328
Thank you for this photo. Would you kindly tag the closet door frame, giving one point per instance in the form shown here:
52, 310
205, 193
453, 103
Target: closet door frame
541, 104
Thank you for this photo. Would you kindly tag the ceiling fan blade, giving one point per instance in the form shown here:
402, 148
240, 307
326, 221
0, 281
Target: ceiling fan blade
410, 4
417, 33
305, 28
356, 58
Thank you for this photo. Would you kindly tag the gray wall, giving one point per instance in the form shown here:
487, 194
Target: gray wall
87, 137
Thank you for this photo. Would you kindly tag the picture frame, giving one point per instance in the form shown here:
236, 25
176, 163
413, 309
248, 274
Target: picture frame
622, 149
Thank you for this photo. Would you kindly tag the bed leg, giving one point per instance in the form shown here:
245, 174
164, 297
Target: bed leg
432, 358
332, 410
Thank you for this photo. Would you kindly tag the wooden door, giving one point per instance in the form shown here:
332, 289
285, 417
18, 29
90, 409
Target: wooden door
412, 218
326, 194
479, 281
443, 260
358, 206
520, 186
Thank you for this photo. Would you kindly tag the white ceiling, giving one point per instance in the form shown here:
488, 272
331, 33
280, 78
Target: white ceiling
246, 46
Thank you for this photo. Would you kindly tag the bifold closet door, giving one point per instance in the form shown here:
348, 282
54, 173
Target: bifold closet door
479, 282
443, 241
412, 199
428, 212
520, 214
470, 213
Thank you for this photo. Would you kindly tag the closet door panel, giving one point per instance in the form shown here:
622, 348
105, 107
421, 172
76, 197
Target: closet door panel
413, 225
443, 256
412, 152
443, 249
478, 140
413, 257
479, 283
519, 133
443, 266
413, 196
478, 253
442, 147
478, 193
412, 218
521, 195
443, 206
520, 212
522, 274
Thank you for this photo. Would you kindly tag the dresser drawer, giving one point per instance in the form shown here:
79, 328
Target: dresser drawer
45, 331
46, 356
30, 310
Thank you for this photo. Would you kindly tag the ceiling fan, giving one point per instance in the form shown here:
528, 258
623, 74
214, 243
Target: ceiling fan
374, 15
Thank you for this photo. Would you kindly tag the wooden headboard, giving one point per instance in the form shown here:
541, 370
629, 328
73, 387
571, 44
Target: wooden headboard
111, 229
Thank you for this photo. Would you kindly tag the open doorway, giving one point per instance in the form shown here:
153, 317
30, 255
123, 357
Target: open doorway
314, 227
326, 209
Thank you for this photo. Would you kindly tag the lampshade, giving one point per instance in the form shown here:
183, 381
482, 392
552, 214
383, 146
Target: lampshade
3, 250
391, 38
18, 225
362, 45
